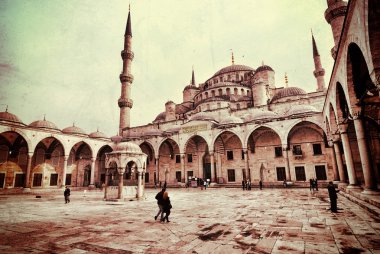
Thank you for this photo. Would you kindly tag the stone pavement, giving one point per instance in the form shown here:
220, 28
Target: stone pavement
211, 221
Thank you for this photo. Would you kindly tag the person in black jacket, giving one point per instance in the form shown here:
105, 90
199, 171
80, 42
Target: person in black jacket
159, 198
166, 206
66, 193
333, 197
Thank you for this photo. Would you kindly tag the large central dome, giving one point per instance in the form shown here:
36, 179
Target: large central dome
232, 68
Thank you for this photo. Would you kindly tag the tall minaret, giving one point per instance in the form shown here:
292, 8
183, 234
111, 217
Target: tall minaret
319, 72
334, 15
126, 78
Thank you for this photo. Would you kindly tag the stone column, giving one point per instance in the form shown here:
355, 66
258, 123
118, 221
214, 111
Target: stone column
27, 183
286, 156
106, 183
219, 167
120, 187
348, 155
183, 177
338, 158
334, 163
200, 165
64, 171
157, 169
92, 178
139, 193
247, 173
369, 176
213, 179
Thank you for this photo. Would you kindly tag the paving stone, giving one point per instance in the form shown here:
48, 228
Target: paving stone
212, 221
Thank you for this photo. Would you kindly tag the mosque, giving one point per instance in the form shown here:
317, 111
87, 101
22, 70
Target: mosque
236, 125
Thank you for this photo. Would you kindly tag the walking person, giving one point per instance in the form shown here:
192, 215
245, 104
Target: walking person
66, 193
261, 184
333, 197
167, 206
159, 197
316, 184
311, 185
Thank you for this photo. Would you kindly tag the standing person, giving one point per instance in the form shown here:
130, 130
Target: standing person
311, 184
248, 184
66, 193
243, 184
316, 184
166, 206
261, 184
159, 197
205, 184
333, 197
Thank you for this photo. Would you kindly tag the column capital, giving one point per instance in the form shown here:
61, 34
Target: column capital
343, 128
335, 138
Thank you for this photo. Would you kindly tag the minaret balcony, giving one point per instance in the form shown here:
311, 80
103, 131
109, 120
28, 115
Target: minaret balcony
124, 77
127, 54
125, 102
320, 72
335, 11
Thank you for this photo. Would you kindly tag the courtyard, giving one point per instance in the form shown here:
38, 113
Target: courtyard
223, 220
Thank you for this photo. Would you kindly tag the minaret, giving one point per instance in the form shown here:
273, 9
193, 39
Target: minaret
126, 78
319, 72
334, 15
192, 78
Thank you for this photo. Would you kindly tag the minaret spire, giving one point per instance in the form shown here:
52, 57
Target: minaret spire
319, 72
286, 80
126, 78
192, 78
232, 56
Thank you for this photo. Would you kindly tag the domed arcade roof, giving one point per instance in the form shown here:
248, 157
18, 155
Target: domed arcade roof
74, 130
288, 92
97, 134
9, 117
231, 120
201, 116
301, 109
232, 68
44, 124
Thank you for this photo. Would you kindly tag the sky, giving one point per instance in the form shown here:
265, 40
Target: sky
61, 59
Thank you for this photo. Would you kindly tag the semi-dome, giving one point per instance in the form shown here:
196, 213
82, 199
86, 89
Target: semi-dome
9, 117
288, 92
233, 68
97, 134
264, 68
74, 130
231, 120
160, 117
127, 147
202, 116
259, 115
301, 109
44, 124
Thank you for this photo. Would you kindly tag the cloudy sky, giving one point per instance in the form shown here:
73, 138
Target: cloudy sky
62, 58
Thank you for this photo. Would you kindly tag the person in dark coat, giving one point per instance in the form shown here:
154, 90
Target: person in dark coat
66, 193
261, 184
159, 197
316, 184
333, 197
167, 206
243, 184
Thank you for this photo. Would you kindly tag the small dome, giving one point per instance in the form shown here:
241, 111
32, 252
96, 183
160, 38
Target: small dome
202, 116
152, 132
11, 118
160, 117
301, 109
74, 130
127, 147
232, 68
191, 87
259, 115
97, 134
264, 68
116, 138
169, 102
44, 124
287, 92
231, 120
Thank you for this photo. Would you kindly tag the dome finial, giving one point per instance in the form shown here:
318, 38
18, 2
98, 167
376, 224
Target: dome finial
232, 56
262, 62
192, 77
44, 117
286, 80
6, 108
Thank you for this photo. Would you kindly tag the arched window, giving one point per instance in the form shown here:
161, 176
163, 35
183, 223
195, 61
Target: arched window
206, 95
213, 93
242, 92
238, 106
235, 91
228, 91
221, 79
220, 92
